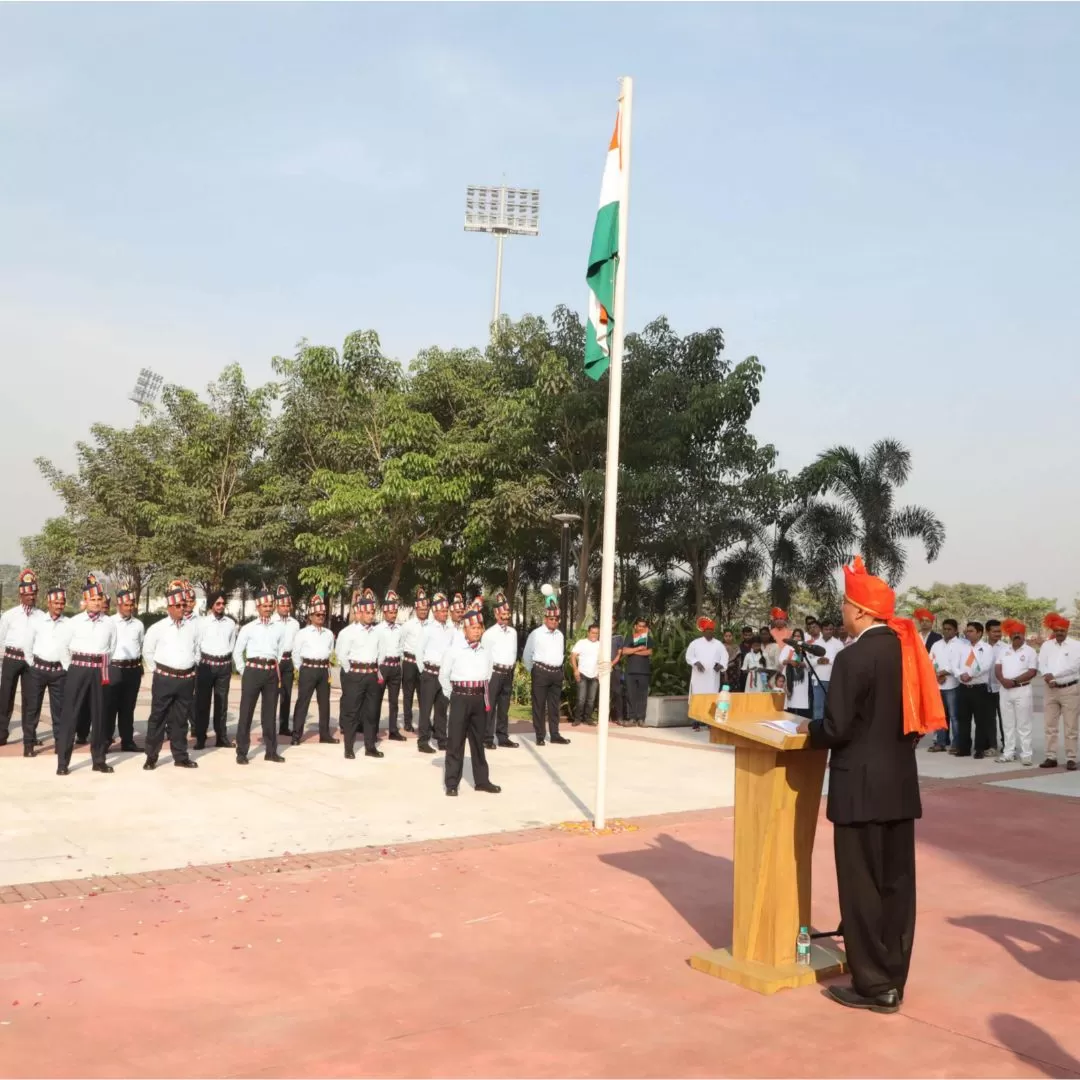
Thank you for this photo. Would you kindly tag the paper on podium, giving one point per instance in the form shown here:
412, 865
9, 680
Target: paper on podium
788, 727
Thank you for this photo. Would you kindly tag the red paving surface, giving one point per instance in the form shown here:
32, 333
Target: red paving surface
543, 954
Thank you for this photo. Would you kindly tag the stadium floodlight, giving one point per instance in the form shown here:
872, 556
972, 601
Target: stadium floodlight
147, 387
503, 211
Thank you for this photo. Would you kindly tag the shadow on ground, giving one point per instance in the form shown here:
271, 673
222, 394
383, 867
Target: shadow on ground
1032, 1045
1044, 950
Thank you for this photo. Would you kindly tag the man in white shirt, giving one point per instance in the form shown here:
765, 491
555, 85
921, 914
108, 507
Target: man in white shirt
974, 705
437, 638
1016, 667
1059, 665
360, 653
171, 652
411, 633
390, 665
125, 673
457, 612
50, 658
289, 628
213, 678
463, 678
585, 660
945, 655
823, 668
16, 634
708, 660
501, 642
994, 640
543, 657
311, 656
256, 656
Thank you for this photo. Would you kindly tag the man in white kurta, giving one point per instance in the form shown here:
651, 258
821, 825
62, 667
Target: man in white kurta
708, 660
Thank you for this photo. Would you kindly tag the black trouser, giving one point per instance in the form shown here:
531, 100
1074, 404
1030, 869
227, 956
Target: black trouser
360, 698
546, 699
285, 695
170, 707
34, 698
11, 672
432, 699
616, 696
995, 707
257, 686
410, 686
587, 691
84, 695
312, 680
974, 705
391, 689
875, 872
498, 717
468, 720
212, 681
120, 697
637, 696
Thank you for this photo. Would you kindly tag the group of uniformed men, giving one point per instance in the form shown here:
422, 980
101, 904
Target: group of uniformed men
92, 665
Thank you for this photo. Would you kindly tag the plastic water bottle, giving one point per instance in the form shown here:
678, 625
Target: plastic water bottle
723, 703
802, 947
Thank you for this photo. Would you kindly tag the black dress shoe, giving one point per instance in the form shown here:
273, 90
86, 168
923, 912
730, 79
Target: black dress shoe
285, 731
409, 726
888, 1002
187, 763
560, 739
397, 736
440, 743
509, 743
228, 744
29, 751
130, 748
540, 740
200, 744
330, 740
39, 742
1070, 766
494, 789
452, 792
241, 759
489, 744
103, 768
425, 748
62, 770
274, 757
374, 753
979, 755
150, 764
350, 754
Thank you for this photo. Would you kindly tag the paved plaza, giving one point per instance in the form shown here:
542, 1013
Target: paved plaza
333, 918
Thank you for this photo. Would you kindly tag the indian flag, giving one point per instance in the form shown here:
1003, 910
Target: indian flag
603, 258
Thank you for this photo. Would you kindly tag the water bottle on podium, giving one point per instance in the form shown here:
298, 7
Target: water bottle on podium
723, 703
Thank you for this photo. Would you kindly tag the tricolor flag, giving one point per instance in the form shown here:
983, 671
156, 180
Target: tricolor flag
603, 256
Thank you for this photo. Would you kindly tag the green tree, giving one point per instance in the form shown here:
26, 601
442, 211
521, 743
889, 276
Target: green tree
53, 553
963, 602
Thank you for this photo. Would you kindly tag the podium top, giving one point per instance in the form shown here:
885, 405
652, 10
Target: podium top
747, 721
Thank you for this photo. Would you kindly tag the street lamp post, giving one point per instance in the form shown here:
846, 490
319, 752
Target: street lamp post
565, 520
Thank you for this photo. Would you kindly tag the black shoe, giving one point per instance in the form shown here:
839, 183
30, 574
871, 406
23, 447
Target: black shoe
228, 744
440, 743
187, 763
241, 759
562, 740
489, 744
39, 742
274, 757
332, 739
540, 740
200, 744
509, 743
409, 726
425, 748
130, 748
103, 768
285, 731
350, 754
1070, 766
29, 751
695, 726
150, 764
493, 789
888, 1002
1049, 763
962, 753
374, 753
575, 723
294, 741
452, 792
62, 770
397, 736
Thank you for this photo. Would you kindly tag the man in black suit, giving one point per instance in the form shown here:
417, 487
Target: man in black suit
873, 791
925, 618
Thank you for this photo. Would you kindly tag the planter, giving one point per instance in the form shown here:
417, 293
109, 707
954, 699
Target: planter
667, 712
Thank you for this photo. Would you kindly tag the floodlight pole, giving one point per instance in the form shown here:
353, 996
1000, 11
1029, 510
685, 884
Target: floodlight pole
499, 238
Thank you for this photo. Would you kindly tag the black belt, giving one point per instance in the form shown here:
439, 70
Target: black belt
50, 666
259, 664
214, 661
411, 657
84, 659
305, 662
363, 669
286, 656
126, 664
1063, 685
503, 669
546, 667
468, 689
431, 669
392, 661
175, 673
11, 653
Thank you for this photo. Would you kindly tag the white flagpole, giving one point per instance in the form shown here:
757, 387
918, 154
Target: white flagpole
611, 468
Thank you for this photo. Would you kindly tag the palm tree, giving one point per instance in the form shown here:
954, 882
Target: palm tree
866, 515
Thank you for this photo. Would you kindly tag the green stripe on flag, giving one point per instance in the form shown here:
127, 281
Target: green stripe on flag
600, 277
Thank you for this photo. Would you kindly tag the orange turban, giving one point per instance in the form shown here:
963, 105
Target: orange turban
1054, 621
923, 613
704, 624
923, 708
1011, 627
777, 613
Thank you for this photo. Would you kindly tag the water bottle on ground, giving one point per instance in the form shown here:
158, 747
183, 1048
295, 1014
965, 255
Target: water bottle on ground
802, 947
723, 703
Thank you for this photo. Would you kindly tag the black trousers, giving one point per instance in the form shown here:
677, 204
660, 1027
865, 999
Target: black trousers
361, 696
391, 690
637, 696
468, 720
875, 872
84, 696
410, 687
12, 673
170, 708
285, 695
617, 703
432, 705
312, 680
120, 697
34, 698
999, 728
973, 705
498, 717
546, 699
258, 686
212, 682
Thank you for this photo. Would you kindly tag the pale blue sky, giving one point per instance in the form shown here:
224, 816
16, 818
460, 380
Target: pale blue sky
879, 201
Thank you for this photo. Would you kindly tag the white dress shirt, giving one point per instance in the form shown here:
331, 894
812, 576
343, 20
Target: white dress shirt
704, 652
1014, 662
458, 636
391, 635
1061, 662
17, 627
832, 649
436, 640
217, 637
946, 658
312, 643
997, 650
502, 643
291, 627
174, 644
129, 637
464, 663
411, 633
977, 661
95, 636
257, 640
51, 640
544, 646
359, 644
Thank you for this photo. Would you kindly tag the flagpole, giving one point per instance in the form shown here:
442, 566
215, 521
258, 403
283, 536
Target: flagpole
611, 465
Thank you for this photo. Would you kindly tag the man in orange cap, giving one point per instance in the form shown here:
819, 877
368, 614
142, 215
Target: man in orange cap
1016, 667
883, 695
1059, 665
926, 618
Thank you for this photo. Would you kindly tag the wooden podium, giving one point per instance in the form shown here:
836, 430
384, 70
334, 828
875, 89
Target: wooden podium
778, 781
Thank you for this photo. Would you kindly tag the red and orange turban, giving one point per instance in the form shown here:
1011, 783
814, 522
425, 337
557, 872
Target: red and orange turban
705, 623
1011, 627
1054, 621
778, 613
922, 613
923, 708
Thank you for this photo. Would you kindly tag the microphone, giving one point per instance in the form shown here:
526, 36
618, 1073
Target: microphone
798, 646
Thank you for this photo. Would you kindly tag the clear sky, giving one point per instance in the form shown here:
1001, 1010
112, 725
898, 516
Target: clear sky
879, 201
